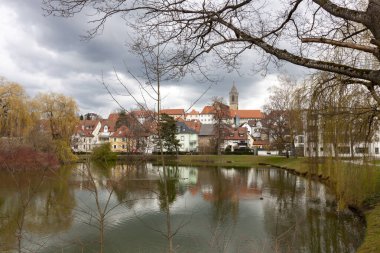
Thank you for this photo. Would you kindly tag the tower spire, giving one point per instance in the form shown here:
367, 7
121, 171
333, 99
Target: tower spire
234, 97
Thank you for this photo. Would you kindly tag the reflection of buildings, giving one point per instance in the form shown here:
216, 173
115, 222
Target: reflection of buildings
138, 173
227, 184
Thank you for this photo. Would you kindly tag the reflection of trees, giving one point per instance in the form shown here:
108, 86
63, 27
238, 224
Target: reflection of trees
95, 180
168, 187
225, 199
225, 205
301, 220
131, 185
39, 202
166, 196
52, 210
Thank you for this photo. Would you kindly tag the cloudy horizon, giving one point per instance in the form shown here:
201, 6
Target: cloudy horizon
48, 54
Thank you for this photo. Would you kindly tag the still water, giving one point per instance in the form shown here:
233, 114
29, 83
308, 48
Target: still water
146, 208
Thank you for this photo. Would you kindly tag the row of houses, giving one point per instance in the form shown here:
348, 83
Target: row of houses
195, 136
241, 130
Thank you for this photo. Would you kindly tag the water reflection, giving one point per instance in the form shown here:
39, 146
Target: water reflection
146, 208
33, 206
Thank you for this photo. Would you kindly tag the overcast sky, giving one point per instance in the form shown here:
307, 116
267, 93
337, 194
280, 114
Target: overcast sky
47, 54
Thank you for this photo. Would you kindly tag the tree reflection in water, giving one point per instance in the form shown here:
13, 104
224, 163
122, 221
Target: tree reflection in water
33, 205
146, 208
314, 228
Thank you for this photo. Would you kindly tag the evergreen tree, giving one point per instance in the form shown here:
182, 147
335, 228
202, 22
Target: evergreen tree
168, 132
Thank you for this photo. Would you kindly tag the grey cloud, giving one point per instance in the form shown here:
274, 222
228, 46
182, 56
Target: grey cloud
79, 64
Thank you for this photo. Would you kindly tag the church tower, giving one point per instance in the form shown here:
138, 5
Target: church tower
234, 98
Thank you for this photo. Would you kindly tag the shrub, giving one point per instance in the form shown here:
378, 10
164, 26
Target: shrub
64, 153
103, 153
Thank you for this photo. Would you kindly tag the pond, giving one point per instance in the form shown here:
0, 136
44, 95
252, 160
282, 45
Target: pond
148, 208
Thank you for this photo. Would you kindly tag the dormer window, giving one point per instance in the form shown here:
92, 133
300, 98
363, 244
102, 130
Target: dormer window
106, 129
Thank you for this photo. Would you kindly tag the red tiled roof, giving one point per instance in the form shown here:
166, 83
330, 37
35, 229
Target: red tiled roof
113, 117
247, 114
85, 133
143, 113
239, 133
194, 124
110, 122
121, 132
86, 127
208, 109
173, 111
193, 112
261, 142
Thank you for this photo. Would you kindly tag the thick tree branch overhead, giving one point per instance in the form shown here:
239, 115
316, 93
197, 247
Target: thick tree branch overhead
341, 36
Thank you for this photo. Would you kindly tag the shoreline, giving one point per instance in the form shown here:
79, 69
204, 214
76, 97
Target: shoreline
367, 209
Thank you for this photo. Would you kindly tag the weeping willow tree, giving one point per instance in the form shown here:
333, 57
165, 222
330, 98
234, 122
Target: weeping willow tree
341, 118
15, 119
341, 123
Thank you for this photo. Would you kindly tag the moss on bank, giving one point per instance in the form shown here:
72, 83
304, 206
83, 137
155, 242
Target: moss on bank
371, 242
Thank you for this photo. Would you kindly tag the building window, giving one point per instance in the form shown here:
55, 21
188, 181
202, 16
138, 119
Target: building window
123, 139
376, 151
321, 149
114, 139
123, 147
182, 138
360, 150
114, 146
344, 150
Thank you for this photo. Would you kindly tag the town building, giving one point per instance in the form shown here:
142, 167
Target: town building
120, 140
174, 113
207, 115
193, 115
235, 138
107, 128
85, 137
188, 138
206, 139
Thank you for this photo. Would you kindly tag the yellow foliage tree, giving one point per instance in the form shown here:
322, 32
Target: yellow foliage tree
58, 115
15, 119
58, 112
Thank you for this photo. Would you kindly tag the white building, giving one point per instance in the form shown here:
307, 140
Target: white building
188, 138
193, 115
207, 116
85, 137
